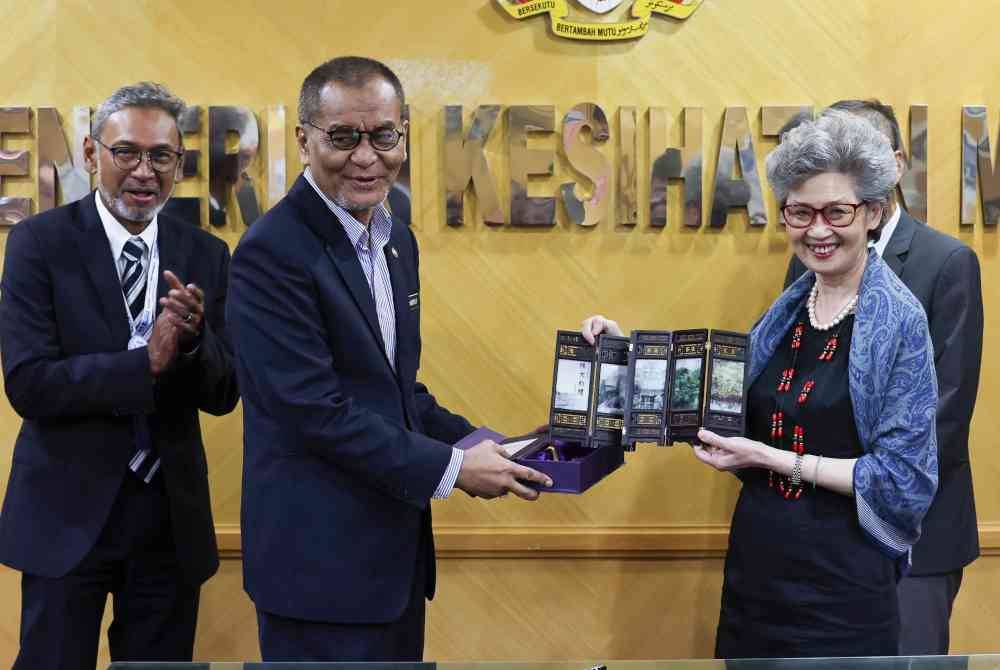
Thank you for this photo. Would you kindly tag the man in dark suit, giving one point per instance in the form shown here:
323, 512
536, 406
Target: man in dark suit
943, 273
108, 362
343, 448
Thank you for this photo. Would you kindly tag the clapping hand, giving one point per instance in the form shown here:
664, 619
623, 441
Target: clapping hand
186, 307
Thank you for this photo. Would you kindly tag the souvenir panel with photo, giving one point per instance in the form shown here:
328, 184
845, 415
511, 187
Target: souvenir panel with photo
611, 390
608, 421
726, 411
648, 387
686, 392
648, 390
726, 387
687, 386
573, 385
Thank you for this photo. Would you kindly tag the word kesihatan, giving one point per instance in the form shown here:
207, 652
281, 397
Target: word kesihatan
467, 167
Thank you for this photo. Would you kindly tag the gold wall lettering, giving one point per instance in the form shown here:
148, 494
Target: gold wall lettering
465, 162
521, 120
684, 163
745, 190
277, 172
775, 119
61, 178
913, 185
628, 175
56, 167
978, 169
14, 164
589, 161
228, 171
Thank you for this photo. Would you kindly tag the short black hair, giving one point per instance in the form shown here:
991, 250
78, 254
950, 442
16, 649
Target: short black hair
352, 71
877, 113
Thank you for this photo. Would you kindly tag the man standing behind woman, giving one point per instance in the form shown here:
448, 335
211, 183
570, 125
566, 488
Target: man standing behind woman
840, 464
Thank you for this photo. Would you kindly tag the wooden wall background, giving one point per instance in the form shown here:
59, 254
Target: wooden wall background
633, 568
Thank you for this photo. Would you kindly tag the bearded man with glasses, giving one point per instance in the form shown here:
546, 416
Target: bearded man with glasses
343, 448
113, 337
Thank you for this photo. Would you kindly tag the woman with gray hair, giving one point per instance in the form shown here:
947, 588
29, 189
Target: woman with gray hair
840, 462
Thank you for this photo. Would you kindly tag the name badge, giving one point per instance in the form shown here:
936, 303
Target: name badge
414, 301
142, 329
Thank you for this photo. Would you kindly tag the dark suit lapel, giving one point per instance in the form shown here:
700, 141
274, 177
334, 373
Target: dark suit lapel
899, 244
95, 250
400, 299
325, 225
346, 260
174, 248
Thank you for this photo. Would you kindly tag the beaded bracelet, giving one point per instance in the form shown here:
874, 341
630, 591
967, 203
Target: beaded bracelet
797, 471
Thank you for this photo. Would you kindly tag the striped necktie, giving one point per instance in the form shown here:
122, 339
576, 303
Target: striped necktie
145, 462
134, 275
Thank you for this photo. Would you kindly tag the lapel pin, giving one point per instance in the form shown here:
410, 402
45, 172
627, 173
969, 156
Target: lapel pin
395, 254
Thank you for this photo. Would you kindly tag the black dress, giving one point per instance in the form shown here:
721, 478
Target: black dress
801, 577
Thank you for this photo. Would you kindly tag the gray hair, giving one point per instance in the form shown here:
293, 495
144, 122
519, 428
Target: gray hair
835, 142
143, 94
350, 71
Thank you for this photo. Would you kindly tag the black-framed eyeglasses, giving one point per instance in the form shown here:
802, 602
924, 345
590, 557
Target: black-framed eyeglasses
837, 214
346, 138
128, 158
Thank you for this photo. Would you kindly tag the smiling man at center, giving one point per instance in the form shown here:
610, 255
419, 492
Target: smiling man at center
344, 449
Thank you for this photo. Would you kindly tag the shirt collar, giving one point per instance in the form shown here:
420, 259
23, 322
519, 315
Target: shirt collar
887, 230
118, 234
357, 232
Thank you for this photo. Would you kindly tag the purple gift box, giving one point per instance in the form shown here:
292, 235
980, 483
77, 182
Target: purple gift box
573, 467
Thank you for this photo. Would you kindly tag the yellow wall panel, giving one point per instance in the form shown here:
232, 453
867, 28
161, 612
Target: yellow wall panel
493, 297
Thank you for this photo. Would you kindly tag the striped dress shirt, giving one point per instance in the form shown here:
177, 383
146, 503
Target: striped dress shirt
369, 245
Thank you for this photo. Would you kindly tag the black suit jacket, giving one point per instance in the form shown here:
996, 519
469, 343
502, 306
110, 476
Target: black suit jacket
943, 273
342, 453
63, 338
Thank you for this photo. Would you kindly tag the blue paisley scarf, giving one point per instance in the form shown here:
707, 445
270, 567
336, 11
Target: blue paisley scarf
893, 392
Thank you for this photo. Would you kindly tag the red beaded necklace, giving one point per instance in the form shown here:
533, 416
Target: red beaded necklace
783, 483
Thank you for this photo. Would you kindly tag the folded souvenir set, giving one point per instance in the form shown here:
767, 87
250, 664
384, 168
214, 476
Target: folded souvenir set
655, 386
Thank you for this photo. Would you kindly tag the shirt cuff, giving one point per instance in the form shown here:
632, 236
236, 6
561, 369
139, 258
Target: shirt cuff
447, 484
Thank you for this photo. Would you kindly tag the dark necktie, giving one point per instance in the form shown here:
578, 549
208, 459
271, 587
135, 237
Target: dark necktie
134, 275
144, 462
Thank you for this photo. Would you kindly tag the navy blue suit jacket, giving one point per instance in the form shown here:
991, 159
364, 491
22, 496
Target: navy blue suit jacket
341, 453
943, 273
63, 338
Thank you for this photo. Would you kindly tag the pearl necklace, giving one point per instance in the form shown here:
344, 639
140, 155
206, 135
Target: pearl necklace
841, 315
